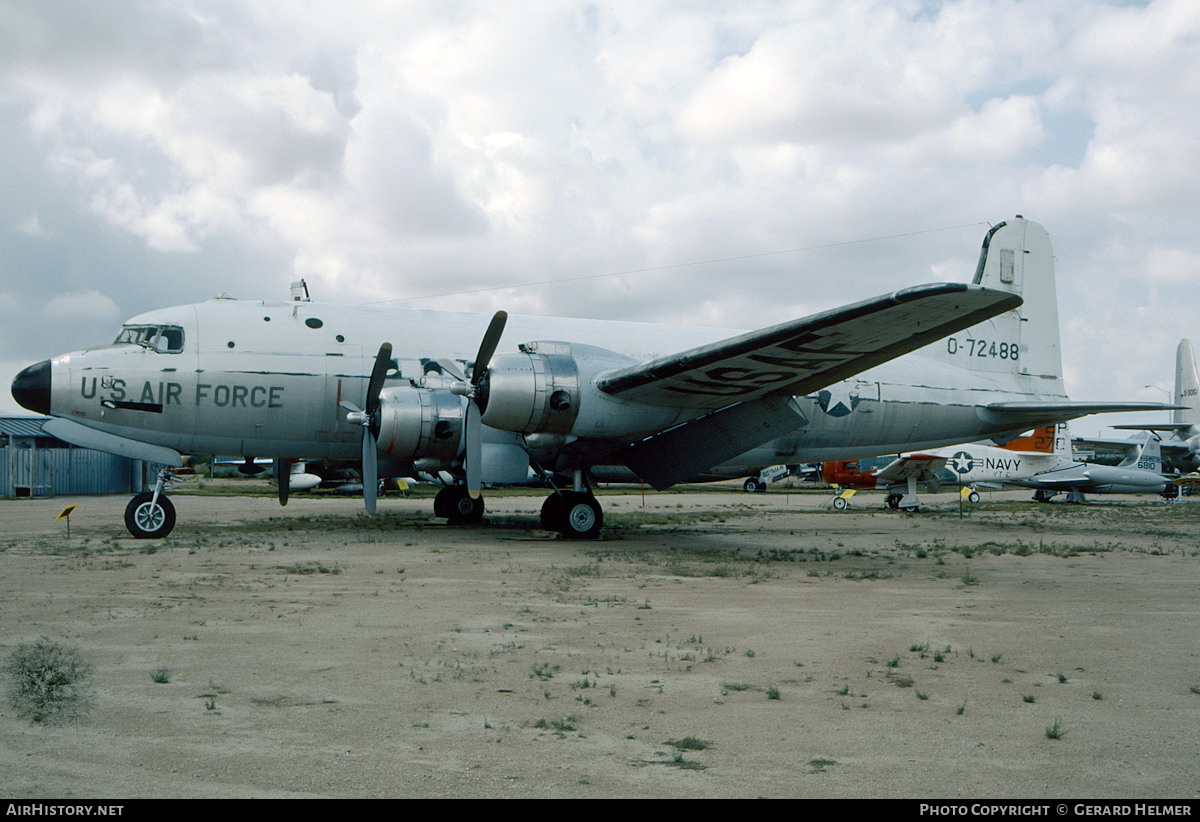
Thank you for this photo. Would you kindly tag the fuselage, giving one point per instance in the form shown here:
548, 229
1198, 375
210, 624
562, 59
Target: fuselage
266, 379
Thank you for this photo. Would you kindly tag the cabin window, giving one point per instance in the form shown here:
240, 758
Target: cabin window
165, 339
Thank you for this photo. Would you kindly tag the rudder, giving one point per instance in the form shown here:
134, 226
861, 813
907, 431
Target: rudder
1187, 386
1022, 344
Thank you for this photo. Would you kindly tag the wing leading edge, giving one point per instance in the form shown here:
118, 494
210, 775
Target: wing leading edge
804, 355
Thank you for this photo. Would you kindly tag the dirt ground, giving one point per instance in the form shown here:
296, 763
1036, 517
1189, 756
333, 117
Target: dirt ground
716, 644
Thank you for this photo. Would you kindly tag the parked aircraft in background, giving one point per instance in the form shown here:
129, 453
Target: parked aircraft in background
1045, 462
319, 381
901, 477
1183, 443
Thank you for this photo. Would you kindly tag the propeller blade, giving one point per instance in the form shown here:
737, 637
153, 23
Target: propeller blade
473, 443
487, 347
383, 361
283, 476
370, 470
451, 367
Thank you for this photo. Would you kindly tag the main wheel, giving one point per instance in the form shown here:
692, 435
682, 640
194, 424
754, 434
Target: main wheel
752, 485
552, 513
840, 503
973, 496
147, 519
893, 501
581, 516
457, 506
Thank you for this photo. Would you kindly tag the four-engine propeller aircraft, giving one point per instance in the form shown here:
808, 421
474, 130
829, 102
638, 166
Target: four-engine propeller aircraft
406, 393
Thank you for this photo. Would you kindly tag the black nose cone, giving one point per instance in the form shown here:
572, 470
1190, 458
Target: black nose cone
31, 388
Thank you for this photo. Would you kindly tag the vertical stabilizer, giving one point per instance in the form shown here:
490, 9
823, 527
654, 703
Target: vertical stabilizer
1040, 440
1149, 456
1062, 441
1187, 386
1020, 347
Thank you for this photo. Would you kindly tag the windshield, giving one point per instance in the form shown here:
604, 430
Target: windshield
165, 339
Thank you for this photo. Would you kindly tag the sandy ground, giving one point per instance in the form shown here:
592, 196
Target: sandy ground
711, 645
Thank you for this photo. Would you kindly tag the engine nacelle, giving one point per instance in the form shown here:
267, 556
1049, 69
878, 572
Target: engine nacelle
550, 389
420, 423
535, 391
1192, 460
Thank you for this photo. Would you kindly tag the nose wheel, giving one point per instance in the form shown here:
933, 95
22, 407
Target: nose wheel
149, 518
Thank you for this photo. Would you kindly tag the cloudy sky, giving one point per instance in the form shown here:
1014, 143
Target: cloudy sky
707, 163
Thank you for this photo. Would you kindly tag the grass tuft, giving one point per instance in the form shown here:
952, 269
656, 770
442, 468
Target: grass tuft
49, 683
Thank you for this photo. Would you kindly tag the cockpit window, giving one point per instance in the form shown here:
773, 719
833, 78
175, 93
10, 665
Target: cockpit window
165, 339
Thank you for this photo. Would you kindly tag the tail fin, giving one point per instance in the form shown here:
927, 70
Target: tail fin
1150, 455
1062, 441
1187, 386
1020, 348
1040, 440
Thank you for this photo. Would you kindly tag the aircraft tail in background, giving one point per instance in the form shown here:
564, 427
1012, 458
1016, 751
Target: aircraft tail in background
1040, 441
1187, 386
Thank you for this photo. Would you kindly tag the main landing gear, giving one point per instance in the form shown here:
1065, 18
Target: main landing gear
457, 506
150, 515
573, 514
897, 503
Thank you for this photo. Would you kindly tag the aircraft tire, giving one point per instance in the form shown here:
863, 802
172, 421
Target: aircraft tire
581, 517
752, 486
465, 510
840, 503
145, 520
443, 504
973, 497
893, 501
552, 513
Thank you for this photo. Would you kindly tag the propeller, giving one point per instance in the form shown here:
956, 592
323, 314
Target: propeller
370, 424
473, 433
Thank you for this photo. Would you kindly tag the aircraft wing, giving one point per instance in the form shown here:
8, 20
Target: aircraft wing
804, 355
922, 466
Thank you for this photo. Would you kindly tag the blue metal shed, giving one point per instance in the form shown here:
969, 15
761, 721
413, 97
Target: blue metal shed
34, 464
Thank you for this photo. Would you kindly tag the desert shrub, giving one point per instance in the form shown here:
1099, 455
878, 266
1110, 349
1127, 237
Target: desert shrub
48, 682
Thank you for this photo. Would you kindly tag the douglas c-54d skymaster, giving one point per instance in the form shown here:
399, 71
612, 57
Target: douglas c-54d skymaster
412, 392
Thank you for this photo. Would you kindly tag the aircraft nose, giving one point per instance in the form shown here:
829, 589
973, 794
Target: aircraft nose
31, 388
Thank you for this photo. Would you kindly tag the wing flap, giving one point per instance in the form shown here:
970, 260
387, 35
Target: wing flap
804, 355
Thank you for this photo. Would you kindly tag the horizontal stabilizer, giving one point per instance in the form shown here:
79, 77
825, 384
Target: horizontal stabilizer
1037, 414
1150, 426
805, 355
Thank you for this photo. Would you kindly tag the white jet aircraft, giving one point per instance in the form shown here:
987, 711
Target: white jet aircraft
318, 381
1046, 463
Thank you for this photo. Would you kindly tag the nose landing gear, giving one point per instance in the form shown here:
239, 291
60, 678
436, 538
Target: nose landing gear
150, 515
